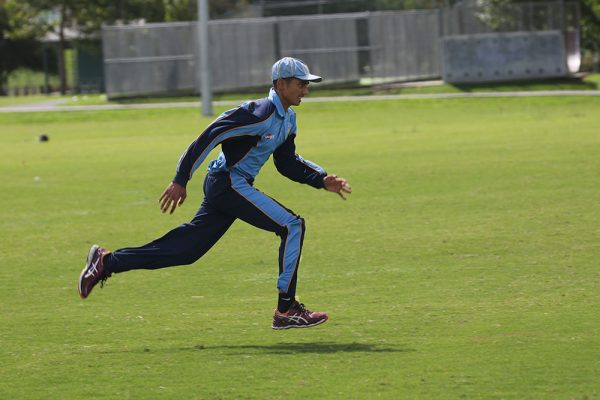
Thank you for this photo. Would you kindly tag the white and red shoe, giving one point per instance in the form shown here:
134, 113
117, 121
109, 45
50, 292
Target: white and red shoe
93, 272
298, 317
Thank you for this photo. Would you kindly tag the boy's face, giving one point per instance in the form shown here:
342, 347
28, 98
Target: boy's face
292, 91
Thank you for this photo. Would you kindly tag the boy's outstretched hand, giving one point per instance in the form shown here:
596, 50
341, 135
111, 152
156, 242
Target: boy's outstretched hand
337, 185
173, 196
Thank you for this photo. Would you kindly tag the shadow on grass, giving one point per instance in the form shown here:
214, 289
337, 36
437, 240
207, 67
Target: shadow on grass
277, 348
312, 347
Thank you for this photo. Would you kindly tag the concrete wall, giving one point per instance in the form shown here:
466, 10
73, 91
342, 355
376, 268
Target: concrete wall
511, 56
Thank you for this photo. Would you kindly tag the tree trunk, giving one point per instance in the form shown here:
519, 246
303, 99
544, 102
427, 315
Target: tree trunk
61, 53
121, 11
3, 81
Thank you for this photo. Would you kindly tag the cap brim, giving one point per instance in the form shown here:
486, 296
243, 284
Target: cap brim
310, 78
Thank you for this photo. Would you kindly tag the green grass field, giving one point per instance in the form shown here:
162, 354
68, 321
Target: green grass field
464, 265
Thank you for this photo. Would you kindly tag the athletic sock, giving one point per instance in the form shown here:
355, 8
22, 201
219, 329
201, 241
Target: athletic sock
284, 302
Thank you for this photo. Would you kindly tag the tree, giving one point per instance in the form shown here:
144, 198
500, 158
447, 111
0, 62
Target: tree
18, 47
38, 17
7, 47
590, 28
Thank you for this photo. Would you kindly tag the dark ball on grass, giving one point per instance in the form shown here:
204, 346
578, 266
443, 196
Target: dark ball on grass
43, 137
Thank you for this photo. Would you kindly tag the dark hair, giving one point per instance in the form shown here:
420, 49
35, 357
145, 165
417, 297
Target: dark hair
288, 80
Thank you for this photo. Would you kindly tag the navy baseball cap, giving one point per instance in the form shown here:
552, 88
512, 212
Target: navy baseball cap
289, 67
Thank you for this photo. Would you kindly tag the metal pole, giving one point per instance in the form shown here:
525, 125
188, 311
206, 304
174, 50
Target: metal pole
205, 83
45, 59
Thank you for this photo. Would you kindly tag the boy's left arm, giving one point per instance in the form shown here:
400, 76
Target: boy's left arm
294, 167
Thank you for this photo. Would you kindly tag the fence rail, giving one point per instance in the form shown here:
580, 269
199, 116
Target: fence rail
374, 46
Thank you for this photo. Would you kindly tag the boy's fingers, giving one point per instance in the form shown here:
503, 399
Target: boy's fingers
166, 201
164, 195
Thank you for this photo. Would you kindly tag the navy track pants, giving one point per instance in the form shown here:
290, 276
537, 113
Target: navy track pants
228, 196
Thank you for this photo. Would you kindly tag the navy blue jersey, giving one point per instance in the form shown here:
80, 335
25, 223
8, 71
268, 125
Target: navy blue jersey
248, 135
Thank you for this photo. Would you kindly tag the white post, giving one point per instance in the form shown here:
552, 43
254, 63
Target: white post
205, 84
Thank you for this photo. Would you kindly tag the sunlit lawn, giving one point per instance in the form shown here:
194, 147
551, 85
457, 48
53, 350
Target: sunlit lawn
463, 265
